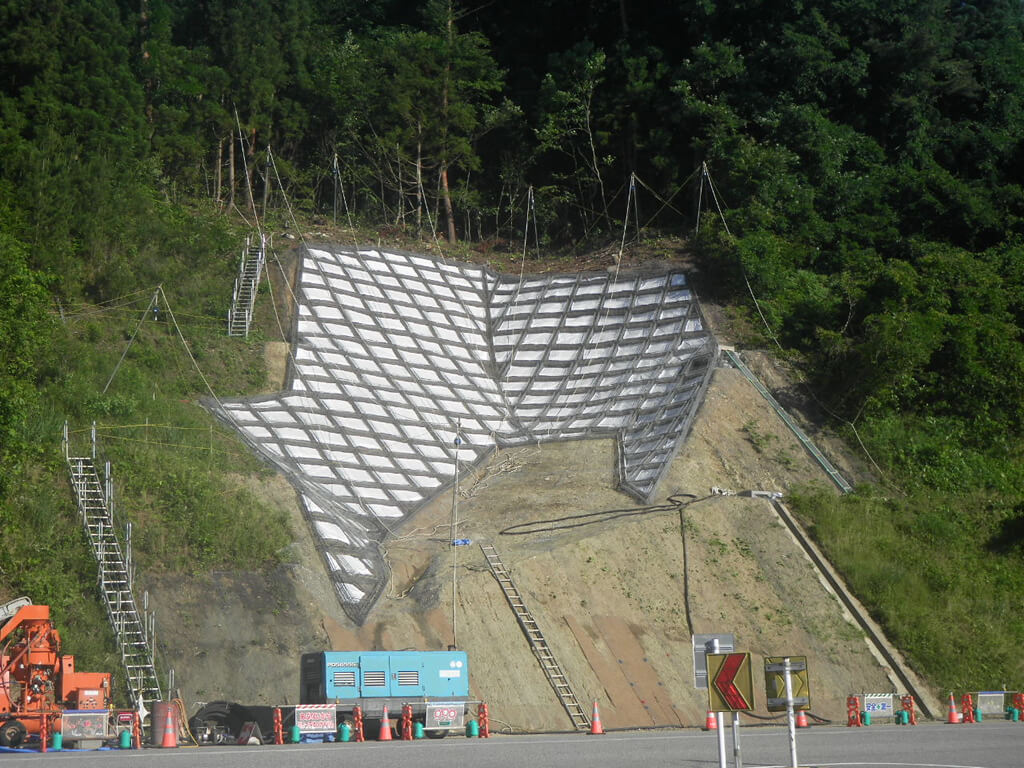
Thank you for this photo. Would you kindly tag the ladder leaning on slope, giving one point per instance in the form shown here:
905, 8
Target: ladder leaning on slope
539, 645
135, 637
243, 297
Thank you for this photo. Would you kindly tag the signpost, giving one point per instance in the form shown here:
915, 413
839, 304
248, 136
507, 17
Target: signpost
787, 666
775, 683
730, 689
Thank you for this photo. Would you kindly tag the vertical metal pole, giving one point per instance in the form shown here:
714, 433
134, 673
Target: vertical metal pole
99, 551
789, 711
737, 756
719, 720
109, 493
454, 535
94, 441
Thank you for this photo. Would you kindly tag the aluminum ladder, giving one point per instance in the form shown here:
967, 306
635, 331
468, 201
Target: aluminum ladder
540, 646
135, 636
243, 297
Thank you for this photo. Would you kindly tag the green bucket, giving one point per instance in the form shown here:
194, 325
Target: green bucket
124, 739
58, 741
344, 732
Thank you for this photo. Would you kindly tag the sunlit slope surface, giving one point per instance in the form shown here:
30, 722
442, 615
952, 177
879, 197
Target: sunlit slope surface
396, 354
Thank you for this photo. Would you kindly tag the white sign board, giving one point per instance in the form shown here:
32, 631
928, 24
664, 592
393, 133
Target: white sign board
450, 714
878, 705
316, 718
78, 724
702, 646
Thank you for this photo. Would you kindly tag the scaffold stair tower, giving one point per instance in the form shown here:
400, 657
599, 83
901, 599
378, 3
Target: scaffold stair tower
135, 632
540, 646
243, 297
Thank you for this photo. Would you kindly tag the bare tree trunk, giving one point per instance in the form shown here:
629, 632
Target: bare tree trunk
250, 171
419, 187
400, 214
448, 209
595, 165
231, 172
266, 183
449, 212
219, 171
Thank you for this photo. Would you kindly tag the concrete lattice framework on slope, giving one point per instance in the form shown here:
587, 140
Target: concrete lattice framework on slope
395, 352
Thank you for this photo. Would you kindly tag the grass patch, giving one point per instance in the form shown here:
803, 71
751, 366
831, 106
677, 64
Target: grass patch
179, 476
926, 570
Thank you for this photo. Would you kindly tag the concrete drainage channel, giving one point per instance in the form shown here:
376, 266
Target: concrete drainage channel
880, 646
883, 650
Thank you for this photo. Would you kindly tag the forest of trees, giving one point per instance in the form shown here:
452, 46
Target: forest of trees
868, 155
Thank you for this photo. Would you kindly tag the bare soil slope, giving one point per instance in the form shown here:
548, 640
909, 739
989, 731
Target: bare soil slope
617, 590
610, 584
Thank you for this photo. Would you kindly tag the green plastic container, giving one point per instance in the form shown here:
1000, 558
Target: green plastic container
977, 714
124, 739
865, 718
294, 735
344, 732
472, 729
418, 731
1014, 714
58, 741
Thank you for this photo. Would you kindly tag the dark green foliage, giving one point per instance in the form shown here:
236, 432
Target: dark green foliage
24, 340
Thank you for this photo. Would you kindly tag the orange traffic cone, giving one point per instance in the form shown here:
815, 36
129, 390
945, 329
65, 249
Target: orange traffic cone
801, 719
954, 716
711, 722
595, 721
385, 727
170, 731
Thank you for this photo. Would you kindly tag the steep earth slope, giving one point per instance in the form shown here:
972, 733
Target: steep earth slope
617, 590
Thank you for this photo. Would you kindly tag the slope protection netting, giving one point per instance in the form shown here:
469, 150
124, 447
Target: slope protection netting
396, 353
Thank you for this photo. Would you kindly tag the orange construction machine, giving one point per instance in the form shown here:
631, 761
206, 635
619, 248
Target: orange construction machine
36, 681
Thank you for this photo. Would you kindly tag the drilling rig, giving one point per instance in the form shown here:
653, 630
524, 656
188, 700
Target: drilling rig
37, 682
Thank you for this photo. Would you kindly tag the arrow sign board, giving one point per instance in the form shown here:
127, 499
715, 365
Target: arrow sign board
775, 682
731, 686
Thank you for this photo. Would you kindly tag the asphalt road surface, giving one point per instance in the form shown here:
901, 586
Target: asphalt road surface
994, 744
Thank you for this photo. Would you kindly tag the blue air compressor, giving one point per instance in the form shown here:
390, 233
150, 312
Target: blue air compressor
426, 680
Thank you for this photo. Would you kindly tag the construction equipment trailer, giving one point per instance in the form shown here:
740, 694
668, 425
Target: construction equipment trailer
37, 682
435, 684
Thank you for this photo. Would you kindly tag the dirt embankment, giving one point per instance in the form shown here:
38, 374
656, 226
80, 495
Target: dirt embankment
612, 585
616, 589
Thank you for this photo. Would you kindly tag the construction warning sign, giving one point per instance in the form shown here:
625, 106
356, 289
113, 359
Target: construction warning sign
731, 687
775, 682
